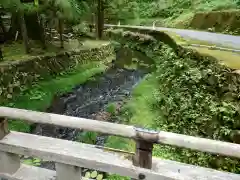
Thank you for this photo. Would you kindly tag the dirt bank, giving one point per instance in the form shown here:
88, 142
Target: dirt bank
218, 21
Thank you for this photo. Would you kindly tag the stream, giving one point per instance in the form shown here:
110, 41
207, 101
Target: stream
90, 100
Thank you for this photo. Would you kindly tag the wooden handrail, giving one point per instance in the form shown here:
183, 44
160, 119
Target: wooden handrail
161, 137
69, 156
78, 155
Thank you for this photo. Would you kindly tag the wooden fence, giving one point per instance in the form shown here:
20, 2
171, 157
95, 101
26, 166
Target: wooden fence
70, 157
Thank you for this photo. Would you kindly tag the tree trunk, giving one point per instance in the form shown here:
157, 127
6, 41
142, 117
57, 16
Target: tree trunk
91, 25
35, 28
42, 32
24, 31
60, 27
2, 26
14, 27
100, 24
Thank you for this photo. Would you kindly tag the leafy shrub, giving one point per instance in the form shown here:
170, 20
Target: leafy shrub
32, 161
197, 96
200, 94
81, 29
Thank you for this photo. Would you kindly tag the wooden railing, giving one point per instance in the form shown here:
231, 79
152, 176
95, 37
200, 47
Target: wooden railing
70, 157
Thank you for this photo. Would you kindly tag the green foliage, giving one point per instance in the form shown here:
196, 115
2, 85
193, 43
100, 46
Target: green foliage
64, 9
111, 108
117, 177
238, 2
81, 29
139, 106
11, 5
70, 10
32, 161
201, 95
196, 96
87, 137
202, 87
121, 10
165, 12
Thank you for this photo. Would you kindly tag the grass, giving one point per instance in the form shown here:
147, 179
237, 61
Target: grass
230, 59
139, 106
39, 96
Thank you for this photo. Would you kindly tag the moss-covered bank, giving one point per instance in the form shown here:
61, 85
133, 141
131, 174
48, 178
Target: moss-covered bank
40, 95
195, 96
16, 75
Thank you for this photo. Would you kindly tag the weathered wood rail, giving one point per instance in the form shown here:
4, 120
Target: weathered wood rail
70, 157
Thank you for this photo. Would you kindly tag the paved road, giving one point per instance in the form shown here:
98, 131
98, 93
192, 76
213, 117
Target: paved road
213, 38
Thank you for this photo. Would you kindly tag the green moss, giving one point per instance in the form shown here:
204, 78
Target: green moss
117, 177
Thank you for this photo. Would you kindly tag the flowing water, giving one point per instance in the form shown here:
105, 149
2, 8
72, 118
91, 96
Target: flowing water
88, 99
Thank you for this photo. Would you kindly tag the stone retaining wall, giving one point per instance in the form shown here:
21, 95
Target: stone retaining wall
18, 74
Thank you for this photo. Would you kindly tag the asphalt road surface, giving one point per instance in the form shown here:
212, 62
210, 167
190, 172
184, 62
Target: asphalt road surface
218, 39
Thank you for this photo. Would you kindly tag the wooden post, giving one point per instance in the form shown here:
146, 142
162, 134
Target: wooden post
143, 156
65, 171
3, 127
10, 163
144, 147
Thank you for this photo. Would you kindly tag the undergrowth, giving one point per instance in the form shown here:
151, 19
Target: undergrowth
202, 96
195, 96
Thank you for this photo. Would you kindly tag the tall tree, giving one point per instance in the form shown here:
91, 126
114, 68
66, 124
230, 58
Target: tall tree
24, 31
60, 11
100, 22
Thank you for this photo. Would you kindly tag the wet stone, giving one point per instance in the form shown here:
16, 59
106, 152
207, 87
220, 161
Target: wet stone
70, 98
